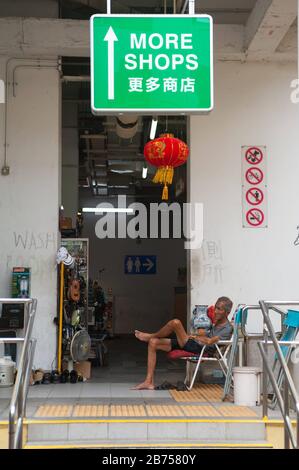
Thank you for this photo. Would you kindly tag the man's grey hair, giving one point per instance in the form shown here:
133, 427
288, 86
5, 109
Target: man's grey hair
228, 304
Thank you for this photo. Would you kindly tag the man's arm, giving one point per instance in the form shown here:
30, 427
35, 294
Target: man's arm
203, 339
201, 332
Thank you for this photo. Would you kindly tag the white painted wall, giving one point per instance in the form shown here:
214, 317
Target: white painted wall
29, 196
252, 106
70, 160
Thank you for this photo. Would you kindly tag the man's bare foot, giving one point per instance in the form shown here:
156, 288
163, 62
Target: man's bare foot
142, 336
144, 386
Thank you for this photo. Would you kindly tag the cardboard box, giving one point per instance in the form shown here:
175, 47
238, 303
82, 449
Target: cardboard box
83, 368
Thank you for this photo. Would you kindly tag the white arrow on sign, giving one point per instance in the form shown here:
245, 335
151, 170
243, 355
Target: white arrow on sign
110, 38
149, 264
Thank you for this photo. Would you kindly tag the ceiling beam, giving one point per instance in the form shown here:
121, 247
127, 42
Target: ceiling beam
43, 37
96, 4
267, 25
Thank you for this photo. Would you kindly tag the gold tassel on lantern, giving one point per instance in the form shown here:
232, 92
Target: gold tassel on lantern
164, 175
165, 193
159, 176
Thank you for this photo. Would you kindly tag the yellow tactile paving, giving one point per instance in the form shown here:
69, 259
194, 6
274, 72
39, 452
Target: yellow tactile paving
150, 411
91, 410
237, 411
54, 411
202, 393
164, 410
200, 410
127, 410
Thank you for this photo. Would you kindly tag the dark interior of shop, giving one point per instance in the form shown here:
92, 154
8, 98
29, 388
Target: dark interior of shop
102, 160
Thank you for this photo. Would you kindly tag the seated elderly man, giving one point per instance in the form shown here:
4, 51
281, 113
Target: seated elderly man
221, 330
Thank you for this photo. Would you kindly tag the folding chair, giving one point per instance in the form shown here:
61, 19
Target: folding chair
291, 323
220, 356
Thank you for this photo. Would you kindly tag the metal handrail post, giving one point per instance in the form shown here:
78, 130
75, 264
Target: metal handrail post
28, 370
18, 395
265, 376
287, 413
286, 419
277, 347
288, 381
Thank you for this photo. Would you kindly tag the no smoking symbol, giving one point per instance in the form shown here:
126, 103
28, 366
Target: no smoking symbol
255, 217
254, 196
254, 156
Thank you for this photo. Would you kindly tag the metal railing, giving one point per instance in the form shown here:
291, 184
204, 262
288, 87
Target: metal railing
17, 407
288, 384
248, 336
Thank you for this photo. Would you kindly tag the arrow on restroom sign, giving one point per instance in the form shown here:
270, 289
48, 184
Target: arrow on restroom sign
140, 264
149, 264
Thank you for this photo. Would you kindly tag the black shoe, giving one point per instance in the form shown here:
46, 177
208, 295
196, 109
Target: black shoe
73, 377
55, 377
64, 378
165, 386
181, 387
46, 378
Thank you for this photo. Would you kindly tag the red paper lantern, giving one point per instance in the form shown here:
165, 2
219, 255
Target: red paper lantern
166, 153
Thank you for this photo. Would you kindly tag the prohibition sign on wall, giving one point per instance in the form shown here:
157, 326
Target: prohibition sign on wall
254, 175
254, 155
255, 217
254, 196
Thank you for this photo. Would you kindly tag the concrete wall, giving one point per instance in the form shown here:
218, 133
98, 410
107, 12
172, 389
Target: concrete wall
29, 196
70, 160
37, 8
252, 106
141, 301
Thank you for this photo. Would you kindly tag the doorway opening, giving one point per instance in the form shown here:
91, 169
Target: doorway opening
136, 274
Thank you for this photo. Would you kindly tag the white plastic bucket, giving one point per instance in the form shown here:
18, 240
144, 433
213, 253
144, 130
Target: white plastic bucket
7, 371
247, 386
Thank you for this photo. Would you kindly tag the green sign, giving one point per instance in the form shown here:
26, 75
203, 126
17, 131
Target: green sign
151, 64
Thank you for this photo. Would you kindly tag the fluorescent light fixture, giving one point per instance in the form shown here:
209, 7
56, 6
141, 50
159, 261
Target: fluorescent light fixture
144, 172
119, 186
153, 128
101, 210
122, 171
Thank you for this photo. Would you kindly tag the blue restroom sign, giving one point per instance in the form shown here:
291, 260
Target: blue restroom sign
137, 264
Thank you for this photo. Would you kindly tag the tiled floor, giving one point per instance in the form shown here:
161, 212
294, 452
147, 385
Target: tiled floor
112, 385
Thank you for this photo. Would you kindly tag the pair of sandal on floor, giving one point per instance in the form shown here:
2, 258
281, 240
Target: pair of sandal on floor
180, 386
